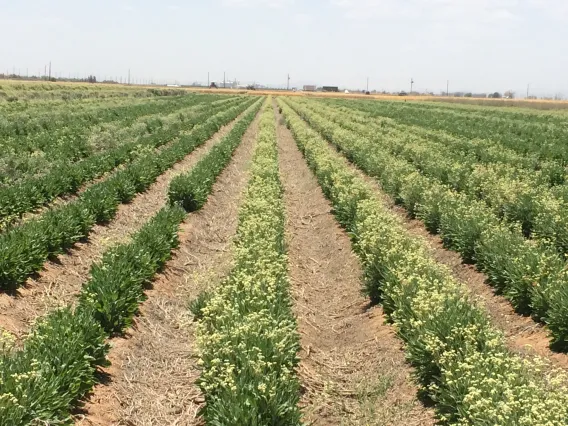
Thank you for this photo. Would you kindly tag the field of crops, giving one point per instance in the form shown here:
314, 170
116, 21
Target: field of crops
169, 257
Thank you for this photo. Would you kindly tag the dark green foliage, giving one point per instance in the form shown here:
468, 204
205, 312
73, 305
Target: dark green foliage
190, 190
42, 381
54, 369
33, 192
117, 283
24, 249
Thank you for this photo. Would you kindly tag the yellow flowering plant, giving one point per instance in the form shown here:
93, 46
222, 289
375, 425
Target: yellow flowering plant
461, 360
247, 335
530, 274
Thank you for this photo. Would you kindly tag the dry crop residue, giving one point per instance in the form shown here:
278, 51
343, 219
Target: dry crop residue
153, 372
352, 367
59, 283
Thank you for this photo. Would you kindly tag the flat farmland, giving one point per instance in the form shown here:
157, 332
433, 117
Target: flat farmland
224, 258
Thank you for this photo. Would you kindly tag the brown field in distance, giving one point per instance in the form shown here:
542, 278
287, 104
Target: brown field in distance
522, 103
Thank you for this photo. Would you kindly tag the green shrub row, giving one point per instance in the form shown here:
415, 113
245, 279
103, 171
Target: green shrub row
34, 154
192, 189
514, 195
531, 276
31, 121
526, 133
484, 151
23, 250
23, 197
461, 360
247, 337
41, 382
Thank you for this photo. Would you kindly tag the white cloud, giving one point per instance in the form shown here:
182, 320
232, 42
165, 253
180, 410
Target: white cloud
556, 9
431, 10
481, 11
303, 18
274, 4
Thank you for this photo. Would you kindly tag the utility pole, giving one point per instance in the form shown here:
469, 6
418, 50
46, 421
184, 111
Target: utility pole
49, 70
129, 76
528, 88
208, 84
44, 71
224, 81
411, 84
448, 88
367, 84
288, 84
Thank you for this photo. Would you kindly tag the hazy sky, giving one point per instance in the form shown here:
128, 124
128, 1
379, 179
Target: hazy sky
479, 45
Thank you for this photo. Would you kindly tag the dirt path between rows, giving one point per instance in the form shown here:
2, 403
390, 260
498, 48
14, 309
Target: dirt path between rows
352, 367
60, 282
523, 335
153, 372
68, 198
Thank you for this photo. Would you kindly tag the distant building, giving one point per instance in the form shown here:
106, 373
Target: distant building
309, 88
330, 89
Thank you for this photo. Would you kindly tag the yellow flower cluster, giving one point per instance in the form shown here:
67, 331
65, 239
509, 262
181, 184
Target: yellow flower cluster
247, 338
460, 358
484, 212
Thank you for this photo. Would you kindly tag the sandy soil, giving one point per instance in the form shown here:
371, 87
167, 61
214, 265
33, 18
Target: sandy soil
152, 377
352, 368
60, 281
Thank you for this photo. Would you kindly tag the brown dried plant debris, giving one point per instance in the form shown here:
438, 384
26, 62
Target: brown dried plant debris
152, 377
352, 367
60, 282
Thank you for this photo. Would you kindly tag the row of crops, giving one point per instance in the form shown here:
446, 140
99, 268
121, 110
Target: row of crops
513, 230
24, 96
65, 177
247, 334
84, 134
500, 205
25, 248
44, 377
461, 359
541, 135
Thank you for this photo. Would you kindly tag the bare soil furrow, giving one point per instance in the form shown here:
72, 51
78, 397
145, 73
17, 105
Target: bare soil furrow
152, 377
352, 367
523, 335
61, 280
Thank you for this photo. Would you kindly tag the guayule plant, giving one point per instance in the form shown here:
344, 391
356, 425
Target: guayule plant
525, 271
31, 192
449, 339
247, 334
24, 249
